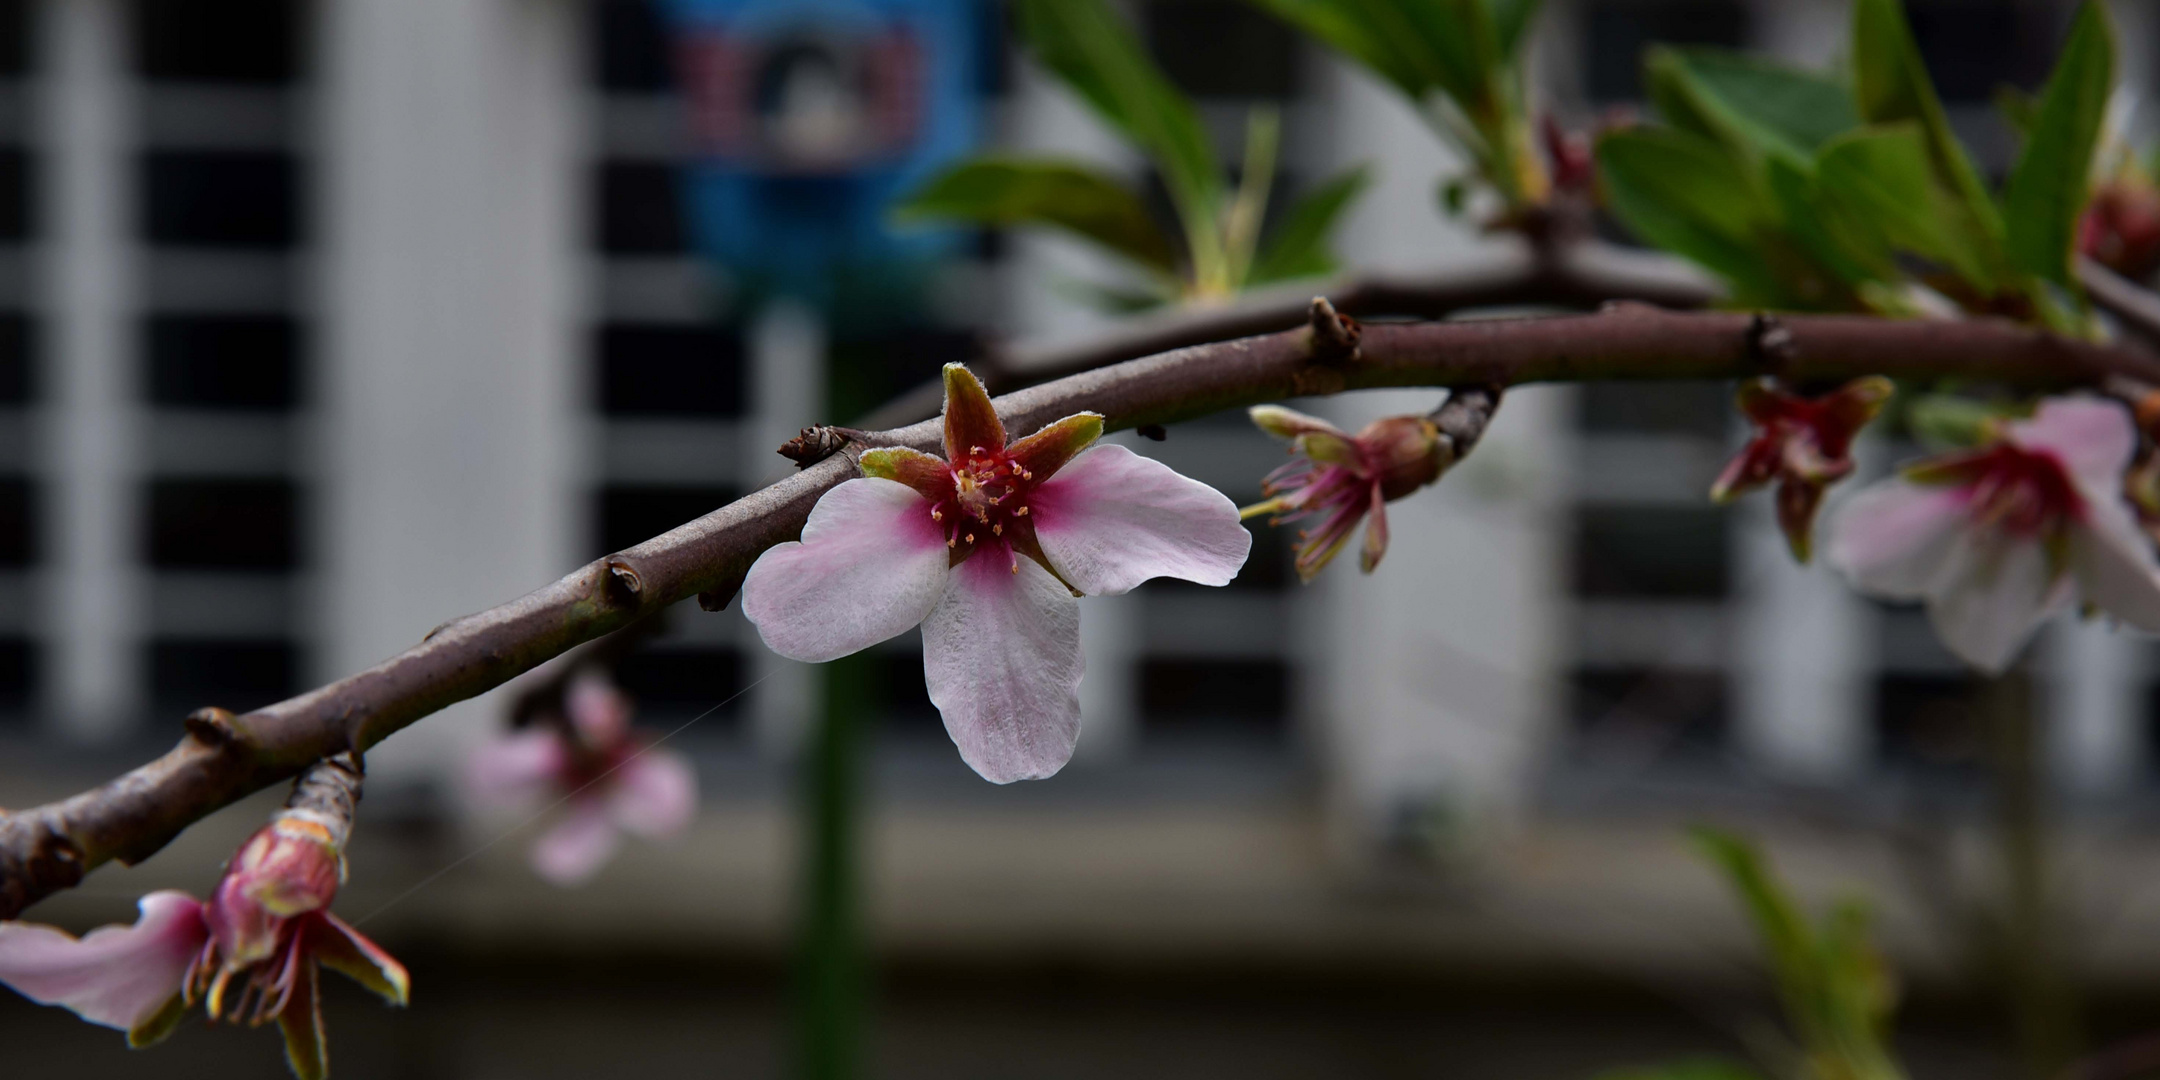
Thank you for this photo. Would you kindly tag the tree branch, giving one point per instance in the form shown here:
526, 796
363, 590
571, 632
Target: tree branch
223, 757
1580, 276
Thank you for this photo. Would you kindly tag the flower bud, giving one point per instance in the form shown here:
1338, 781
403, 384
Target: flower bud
1404, 453
290, 867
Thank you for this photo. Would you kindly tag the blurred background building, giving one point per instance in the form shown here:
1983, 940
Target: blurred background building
322, 323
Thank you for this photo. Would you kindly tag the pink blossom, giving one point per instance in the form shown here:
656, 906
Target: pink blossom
986, 548
250, 954
1803, 445
612, 779
1343, 479
1999, 538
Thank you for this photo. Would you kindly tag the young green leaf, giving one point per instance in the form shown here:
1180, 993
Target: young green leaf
1684, 193
1880, 182
1512, 20
2049, 186
1058, 194
1747, 100
1784, 932
1298, 247
1890, 84
1093, 50
1346, 26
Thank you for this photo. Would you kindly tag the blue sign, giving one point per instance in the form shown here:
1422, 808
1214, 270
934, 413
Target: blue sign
809, 117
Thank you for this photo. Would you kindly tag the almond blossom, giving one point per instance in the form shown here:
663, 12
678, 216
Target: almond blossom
611, 779
1999, 538
1343, 479
1801, 444
250, 954
987, 549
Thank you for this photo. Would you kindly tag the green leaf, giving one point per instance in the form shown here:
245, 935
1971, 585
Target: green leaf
1778, 921
1746, 99
1419, 45
1096, 53
1059, 194
1880, 182
1706, 1068
1890, 84
2017, 109
1299, 246
1852, 256
1684, 193
2048, 188
1512, 20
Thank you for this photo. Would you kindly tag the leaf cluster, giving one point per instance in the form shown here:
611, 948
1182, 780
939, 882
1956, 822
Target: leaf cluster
1216, 248
1836, 992
1812, 191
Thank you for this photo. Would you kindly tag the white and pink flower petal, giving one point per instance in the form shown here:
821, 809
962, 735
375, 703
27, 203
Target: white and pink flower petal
117, 976
520, 767
869, 566
1893, 538
1112, 519
2093, 437
2115, 565
655, 794
577, 845
1001, 655
598, 709
1994, 591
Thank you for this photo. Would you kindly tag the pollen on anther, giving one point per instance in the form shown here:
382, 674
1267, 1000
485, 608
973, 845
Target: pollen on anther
937, 515
975, 449
971, 538
951, 543
998, 529
1022, 512
1016, 566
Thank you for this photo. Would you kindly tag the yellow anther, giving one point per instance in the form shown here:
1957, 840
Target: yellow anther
936, 514
998, 529
1016, 566
975, 449
951, 543
971, 538
1022, 512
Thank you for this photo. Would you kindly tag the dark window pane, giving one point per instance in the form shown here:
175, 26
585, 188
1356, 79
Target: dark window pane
631, 515
640, 209
661, 370
18, 521
230, 41
1971, 47
1669, 713
236, 675
871, 370
224, 525
18, 676
15, 31
1656, 552
1621, 29
220, 198
15, 210
17, 340
900, 696
676, 684
1657, 408
223, 361
630, 47
1220, 48
1935, 723
1183, 696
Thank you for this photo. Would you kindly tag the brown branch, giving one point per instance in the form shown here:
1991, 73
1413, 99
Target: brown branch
221, 758
1580, 276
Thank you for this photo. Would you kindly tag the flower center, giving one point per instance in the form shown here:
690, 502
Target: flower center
2022, 492
989, 497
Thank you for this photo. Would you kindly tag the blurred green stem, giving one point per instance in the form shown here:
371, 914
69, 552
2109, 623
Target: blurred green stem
829, 977
2043, 1004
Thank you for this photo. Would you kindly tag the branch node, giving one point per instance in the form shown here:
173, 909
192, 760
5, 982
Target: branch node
329, 792
815, 444
1770, 345
1334, 335
212, 726
1464, 416
625, 577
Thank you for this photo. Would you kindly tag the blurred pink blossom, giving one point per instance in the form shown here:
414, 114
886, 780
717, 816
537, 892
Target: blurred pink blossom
1999, 538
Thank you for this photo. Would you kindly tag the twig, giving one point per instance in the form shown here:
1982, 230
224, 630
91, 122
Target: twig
47, 848
1577, 276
